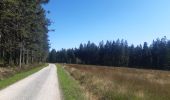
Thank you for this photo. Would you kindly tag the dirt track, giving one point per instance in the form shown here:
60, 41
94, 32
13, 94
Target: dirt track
42, 85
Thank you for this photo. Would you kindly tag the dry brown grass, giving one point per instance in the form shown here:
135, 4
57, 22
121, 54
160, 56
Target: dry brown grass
6, 72
115, 83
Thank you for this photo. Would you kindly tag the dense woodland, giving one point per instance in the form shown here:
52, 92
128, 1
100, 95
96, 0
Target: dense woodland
23, 32
117, 53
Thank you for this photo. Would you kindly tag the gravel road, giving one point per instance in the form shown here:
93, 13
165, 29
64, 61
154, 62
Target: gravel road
43, 85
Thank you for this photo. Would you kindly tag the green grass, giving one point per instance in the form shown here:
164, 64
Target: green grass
115, 83
8, 81
70, 87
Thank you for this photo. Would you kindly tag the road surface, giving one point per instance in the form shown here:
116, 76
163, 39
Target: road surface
42, 85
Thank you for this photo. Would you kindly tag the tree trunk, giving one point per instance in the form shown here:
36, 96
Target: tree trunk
32, 58
23, 56
10, 58
27, 60
20, 58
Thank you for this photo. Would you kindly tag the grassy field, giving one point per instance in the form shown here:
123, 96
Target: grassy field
69, 87
106, 83
18, 76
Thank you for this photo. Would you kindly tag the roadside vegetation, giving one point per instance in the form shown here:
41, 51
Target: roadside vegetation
70, 88
23, 32
117, 53
115, 83
14, 76
23, 39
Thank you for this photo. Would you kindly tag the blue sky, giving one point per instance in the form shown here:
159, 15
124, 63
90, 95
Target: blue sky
77, 21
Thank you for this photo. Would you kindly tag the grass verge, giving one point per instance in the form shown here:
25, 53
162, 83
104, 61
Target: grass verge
116, 83
18, 76
69, 86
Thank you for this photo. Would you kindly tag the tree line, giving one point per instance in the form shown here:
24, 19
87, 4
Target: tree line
23, 32
117, 53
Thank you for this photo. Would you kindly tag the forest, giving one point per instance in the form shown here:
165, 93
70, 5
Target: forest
23, 32
117, 53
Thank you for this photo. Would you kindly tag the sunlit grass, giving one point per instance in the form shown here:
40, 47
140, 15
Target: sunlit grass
69, 87
10, 80
122, 83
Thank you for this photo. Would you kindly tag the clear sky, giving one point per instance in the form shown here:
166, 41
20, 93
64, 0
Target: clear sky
77, 21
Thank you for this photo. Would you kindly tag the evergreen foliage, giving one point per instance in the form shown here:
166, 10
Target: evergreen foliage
23, 32
118, 53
